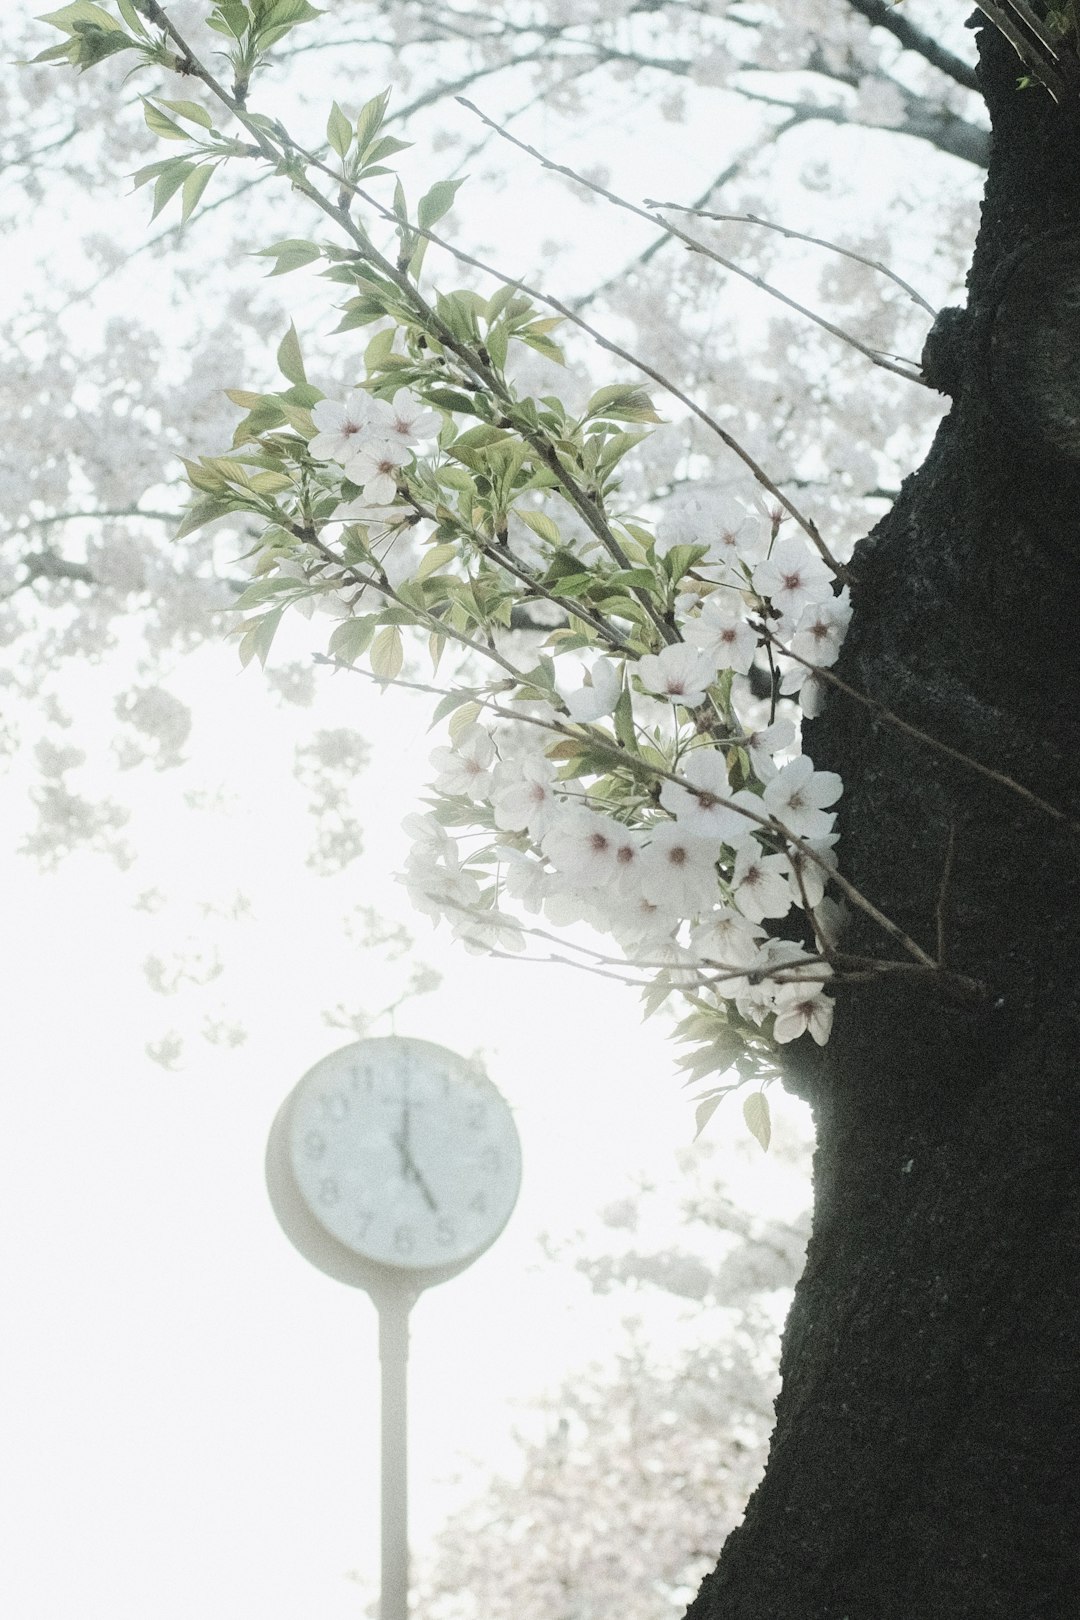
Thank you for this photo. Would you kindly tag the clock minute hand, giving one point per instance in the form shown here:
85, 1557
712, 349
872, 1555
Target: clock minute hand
409, 1165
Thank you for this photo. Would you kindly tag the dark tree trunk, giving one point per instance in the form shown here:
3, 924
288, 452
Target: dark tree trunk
926, 1459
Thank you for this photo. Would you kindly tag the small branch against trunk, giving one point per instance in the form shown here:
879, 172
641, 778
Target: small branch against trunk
888, 718
880, 14
941, 909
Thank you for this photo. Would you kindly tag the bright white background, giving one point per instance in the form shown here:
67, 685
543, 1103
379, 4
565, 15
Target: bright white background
189, 1427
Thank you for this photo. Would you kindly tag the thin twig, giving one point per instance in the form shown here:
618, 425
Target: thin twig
943, 893
890, 719
875, 356
798, 236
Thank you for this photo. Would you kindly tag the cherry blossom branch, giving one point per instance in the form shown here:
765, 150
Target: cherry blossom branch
429, 621
589, 509
499, 553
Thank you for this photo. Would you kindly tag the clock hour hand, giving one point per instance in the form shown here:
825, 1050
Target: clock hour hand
409, 1165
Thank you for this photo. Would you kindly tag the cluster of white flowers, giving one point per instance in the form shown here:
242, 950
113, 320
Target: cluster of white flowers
685, 879
371, 439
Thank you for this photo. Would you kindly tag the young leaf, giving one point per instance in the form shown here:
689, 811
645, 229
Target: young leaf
437, 202
351, 638
289, 255
370, 118
132, 18
158, 124
387, 653
705, 1110
68, 18
756, 1114
189, 110
168, 182
339, 131
194, 186
461, 718
290, 360
539, 523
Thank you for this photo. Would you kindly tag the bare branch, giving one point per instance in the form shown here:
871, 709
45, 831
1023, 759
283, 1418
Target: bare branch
798, 236
910, 374
880, 14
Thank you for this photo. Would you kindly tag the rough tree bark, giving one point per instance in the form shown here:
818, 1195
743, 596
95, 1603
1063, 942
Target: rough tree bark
926, 1456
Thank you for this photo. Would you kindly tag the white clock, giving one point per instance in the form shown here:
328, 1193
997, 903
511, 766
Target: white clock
393, 1156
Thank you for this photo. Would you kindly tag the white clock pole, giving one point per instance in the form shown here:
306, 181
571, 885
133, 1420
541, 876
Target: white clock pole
392, 1166
394, 1305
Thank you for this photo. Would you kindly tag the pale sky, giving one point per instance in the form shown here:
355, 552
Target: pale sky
191, 1423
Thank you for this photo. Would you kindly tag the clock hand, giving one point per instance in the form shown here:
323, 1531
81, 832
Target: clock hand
413, 1169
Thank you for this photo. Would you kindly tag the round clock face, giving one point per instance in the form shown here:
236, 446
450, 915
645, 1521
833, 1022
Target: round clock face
404, 1153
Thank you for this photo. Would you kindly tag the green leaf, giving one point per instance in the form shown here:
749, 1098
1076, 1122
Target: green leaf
624, 720
339, 131
624, 402
256, 642
655, 994
132, 18
498, 302
705, 1111
290, 360
539, 523
158, 124
386, 146
379, 349
369, 119
189, 110
290, 254
681, 558
203, 511
498, 342
433, 560
756, 1114
387, 653
169, 182
437, 202
194, 186
448, 704
68, 18
352, 638
462, 717
230, 17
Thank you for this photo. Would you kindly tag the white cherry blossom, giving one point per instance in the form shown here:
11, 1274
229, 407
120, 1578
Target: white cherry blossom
797, 796
404, 418
677, 871
821, 629
764, 745
679, 672
599, 697
792, 577
713, 810
374, 467
802, 1009
582, 845
341, 426
465, 768
758, 882
523, 793
723, 633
